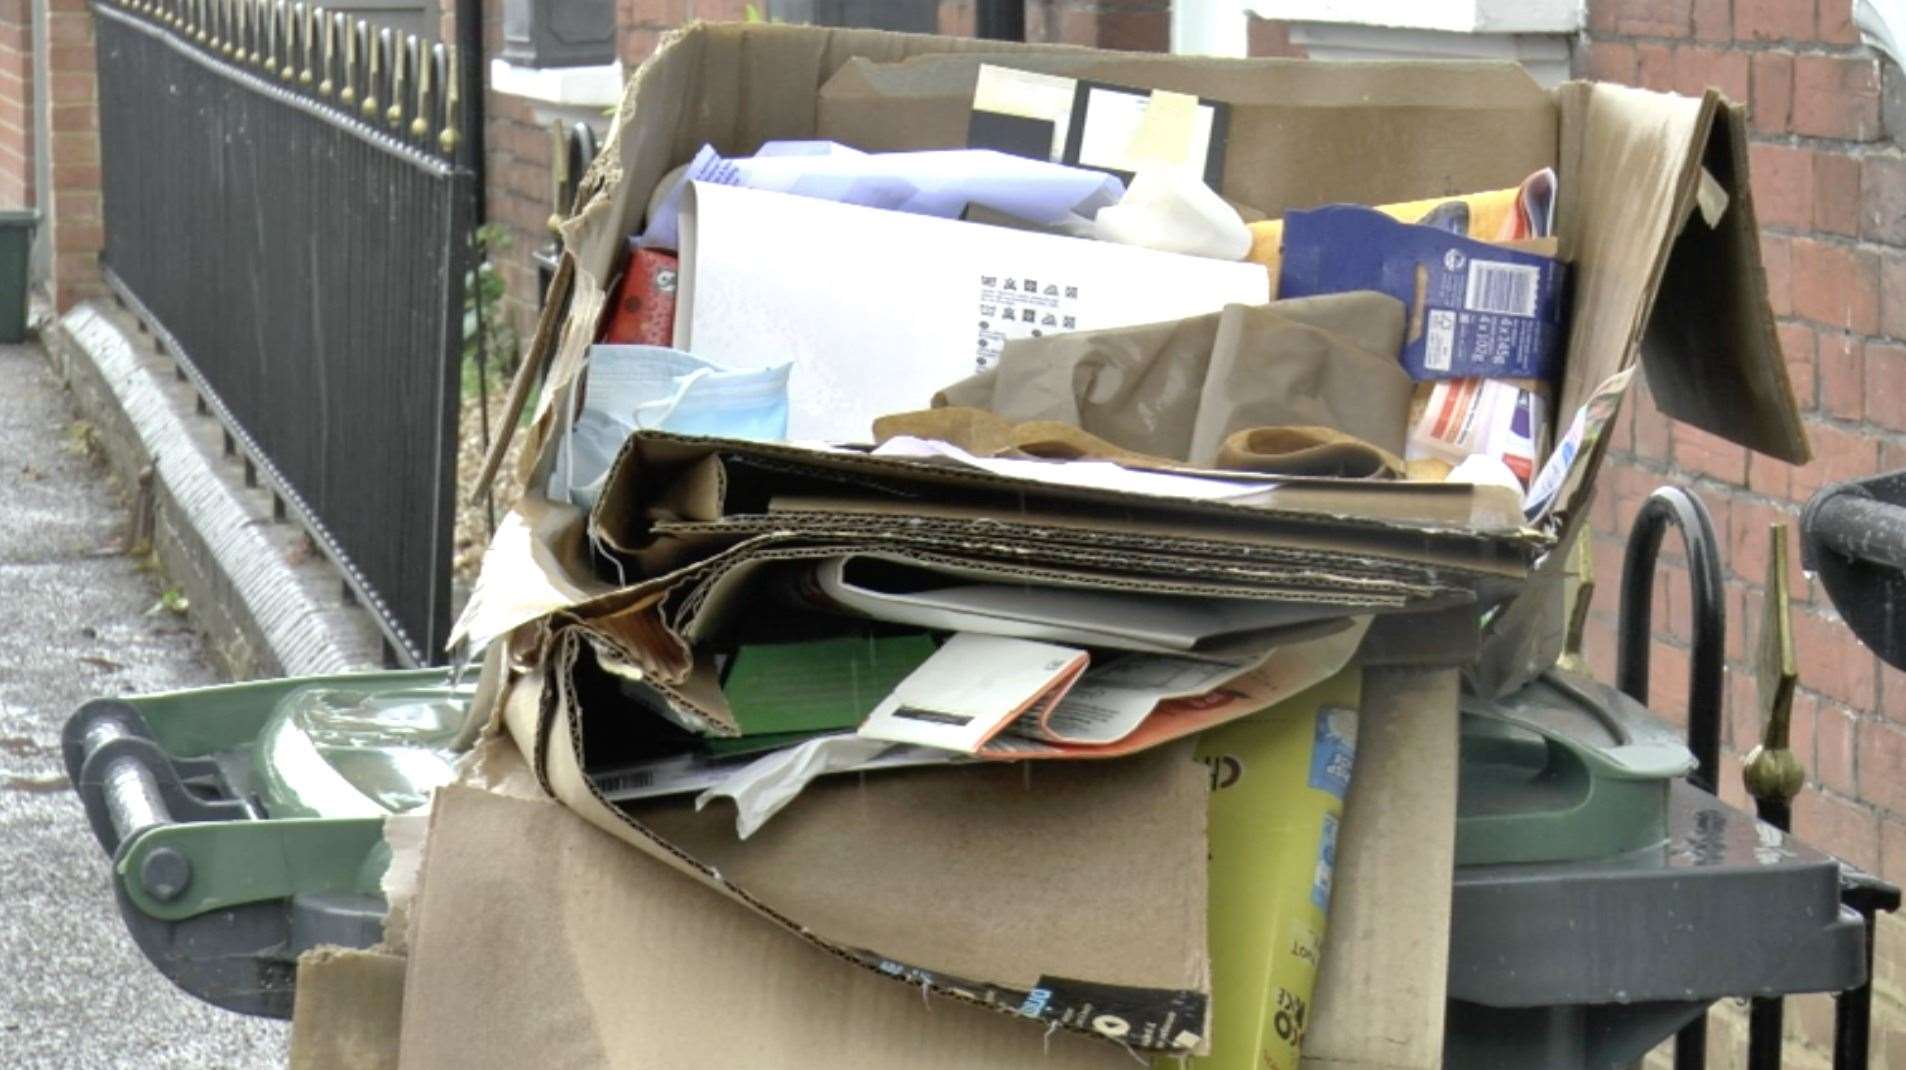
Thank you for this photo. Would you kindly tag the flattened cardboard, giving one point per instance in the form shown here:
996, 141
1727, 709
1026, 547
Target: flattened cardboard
348, 1010
884, 867
855, 868
620, 964
1629, 163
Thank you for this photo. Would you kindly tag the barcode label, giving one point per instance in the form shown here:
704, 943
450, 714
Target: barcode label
613, 784
1505, 288
1441, 345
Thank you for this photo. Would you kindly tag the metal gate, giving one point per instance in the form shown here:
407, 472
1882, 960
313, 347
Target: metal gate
287, 206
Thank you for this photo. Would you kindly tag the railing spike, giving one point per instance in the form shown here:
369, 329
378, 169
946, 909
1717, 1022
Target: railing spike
402, 49
452, 103
426, 60
308, 28
327, 51
289, 12
348, 91
373, 70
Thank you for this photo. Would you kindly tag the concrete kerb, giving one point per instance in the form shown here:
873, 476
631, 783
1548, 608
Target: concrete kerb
268, 603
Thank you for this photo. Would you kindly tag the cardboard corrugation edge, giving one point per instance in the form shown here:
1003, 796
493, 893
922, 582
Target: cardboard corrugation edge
543, 718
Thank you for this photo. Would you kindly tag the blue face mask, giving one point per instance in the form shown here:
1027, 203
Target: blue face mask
654, 388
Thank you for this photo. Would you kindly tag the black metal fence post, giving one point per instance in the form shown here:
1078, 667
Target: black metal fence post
285, 209
1676, 506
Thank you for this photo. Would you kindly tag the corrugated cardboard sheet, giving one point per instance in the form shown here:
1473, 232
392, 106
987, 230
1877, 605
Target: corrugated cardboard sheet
1654, 279
620, 963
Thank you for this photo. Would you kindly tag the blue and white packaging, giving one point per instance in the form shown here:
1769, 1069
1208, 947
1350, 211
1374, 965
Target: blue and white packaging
1477, 310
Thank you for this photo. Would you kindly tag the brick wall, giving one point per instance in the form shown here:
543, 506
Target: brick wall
519, 149
1830, 187
16, 103
72, 207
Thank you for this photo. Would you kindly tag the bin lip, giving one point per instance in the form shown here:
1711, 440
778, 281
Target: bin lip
18, 216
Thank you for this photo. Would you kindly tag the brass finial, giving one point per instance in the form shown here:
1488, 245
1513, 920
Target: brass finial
265, 51
347, 92
373, 70
309, 29
1773, 773
452, 101
558, 173
426, 67
290, 13
403, 55
1582, 565
327, 51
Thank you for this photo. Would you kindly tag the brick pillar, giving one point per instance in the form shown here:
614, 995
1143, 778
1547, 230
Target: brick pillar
72, 207
16, 104
1829, 184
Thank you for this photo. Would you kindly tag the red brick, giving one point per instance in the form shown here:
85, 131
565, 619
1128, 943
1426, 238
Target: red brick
1835, 663
1838, 454
1883, 384
1698, 451
1696, 68
1841, 367
1882, 764
1772, 109
1836, 193
1892, 694
1883, 199
1836, 23
1893, 293
1773, 20
1893, 869
1673, 614
1769, 476
635, 44
1782, 180
1835, 742
1651, 428
1841, 827
1740, 603
1270, 37
1749, 525
1668, 681
1713, 21
1740, 720
1836, 96
1776, 258
1611, 61
1655, 67
1652, 18
1836, 285
1798, 346
1141, 31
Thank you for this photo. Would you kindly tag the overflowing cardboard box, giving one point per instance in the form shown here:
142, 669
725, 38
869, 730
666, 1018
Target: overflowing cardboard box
1655, 220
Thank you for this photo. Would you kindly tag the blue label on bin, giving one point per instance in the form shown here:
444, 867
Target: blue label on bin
1334, 748
1326, 864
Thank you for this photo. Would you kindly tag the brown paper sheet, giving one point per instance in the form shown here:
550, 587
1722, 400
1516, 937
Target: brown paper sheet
609, 960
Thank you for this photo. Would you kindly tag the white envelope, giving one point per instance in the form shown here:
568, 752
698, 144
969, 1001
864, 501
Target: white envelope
878, 309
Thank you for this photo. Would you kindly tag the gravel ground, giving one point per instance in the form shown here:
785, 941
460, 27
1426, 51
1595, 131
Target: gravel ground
74, 991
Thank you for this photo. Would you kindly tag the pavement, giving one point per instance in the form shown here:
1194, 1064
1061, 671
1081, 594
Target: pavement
87, 621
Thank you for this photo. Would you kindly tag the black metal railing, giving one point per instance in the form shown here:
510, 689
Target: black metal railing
288, 207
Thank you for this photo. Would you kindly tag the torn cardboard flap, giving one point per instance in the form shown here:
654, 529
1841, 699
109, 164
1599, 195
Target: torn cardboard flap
857, 867
634, 968
1629, 163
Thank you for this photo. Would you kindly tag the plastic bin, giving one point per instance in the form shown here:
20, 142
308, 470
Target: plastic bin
16, 250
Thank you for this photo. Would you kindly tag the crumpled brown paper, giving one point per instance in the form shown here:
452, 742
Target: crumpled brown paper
1309, 386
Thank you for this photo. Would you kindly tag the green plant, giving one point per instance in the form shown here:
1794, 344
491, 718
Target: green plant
489, 339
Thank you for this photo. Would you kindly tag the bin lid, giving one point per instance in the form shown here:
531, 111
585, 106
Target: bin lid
1564, 769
